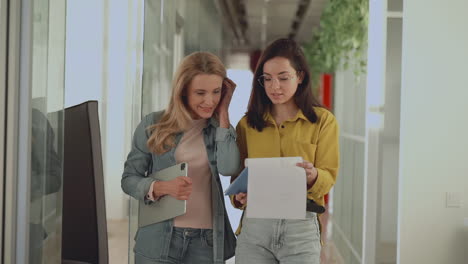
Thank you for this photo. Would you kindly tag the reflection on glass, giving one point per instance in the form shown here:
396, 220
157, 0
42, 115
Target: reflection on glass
151, 54
46, 182
47, 89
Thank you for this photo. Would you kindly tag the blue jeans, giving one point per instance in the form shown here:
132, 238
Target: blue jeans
188, 245
269, 241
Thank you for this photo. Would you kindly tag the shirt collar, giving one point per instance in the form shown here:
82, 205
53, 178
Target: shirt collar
299, 115
213, 122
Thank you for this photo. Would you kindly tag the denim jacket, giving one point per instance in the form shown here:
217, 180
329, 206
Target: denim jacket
223, 156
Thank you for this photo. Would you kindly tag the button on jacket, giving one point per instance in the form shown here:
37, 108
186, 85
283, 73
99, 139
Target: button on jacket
223, 156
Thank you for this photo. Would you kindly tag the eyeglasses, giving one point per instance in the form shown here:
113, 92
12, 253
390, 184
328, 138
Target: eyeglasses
267, 80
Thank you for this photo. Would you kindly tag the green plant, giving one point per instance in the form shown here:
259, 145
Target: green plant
341, 39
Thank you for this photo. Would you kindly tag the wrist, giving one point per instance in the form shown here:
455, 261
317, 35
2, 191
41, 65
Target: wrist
311, 180
237, 203
160, 189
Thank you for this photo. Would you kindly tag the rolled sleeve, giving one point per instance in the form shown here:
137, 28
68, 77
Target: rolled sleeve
325, 181
227, 152
224, 134
150, 195
241, 144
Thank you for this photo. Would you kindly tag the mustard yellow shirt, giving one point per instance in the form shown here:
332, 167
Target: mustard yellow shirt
314, 142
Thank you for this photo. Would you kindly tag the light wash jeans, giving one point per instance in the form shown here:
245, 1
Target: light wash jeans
188, 246
269, 241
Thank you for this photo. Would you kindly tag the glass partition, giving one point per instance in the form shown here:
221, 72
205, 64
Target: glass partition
47, 96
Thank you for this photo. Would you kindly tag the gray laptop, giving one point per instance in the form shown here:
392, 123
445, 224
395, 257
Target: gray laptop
167, 207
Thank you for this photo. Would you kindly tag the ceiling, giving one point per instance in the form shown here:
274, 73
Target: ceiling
255, 23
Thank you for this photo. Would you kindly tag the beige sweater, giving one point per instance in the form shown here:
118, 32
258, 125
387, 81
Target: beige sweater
191, 149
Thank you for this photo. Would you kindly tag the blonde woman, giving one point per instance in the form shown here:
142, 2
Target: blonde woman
195, 129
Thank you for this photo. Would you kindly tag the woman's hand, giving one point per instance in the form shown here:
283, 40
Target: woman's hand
179, 188
311, 171
227, 91
241, 198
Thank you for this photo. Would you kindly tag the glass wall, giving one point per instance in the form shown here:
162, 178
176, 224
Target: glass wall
47, 96
33, 74
203, 28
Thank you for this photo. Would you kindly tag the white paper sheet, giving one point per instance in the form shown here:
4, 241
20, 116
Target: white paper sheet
276, 188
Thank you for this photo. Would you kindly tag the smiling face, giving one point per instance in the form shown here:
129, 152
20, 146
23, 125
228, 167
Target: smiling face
280, 80
203, 95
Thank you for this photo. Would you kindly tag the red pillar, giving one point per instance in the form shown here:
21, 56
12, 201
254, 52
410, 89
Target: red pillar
326, 96
326, 90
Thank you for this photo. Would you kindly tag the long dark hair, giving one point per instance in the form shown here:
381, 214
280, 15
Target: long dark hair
259, 103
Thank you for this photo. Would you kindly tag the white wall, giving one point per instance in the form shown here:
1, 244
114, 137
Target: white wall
434, 129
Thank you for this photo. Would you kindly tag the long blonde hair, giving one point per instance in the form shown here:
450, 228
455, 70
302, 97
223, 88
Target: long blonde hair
176, 117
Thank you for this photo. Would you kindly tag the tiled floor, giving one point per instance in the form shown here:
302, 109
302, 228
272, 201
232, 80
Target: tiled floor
118, 243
